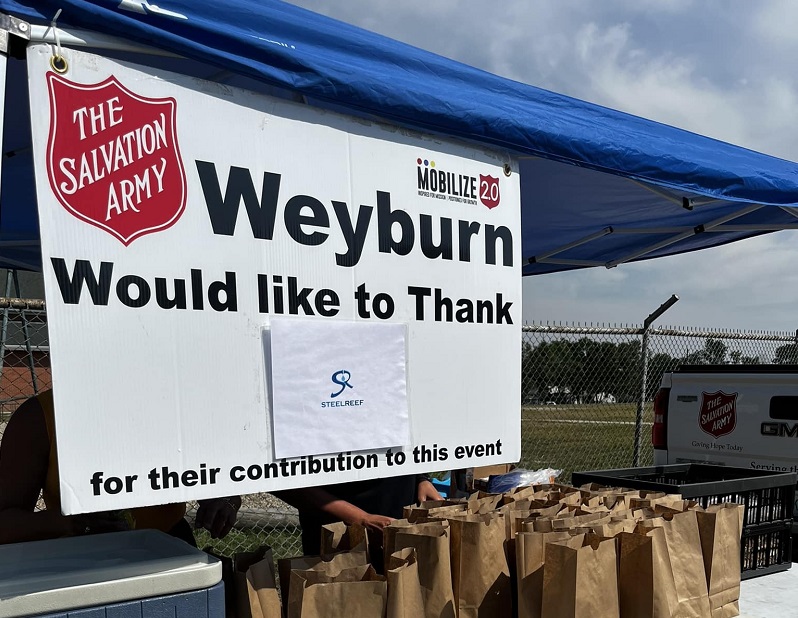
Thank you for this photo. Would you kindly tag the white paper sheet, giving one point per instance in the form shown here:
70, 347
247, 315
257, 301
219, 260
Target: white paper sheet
338, 386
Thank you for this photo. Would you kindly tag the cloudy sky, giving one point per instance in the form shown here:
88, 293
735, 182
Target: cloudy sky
722, 68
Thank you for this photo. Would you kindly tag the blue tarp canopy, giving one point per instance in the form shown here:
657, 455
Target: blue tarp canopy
599, 187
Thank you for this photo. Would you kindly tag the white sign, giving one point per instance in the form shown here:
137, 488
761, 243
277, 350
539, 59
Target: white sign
346, 380
181, 219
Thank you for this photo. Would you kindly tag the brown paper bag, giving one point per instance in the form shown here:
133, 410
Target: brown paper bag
657, 499
284, 568
564, 489
255, 585
511, 502
538, 524
720, 527
422, 509
613, 528
564, 523
339, 537
389, 533
687, 560
480, 573
594, 508
480, 503
327, 592
405, 599
431, 542
581, 582
622, 496
546, 511
593, 501
340, 561
645, 577
618, 514
512, 521
573, 498
530, 563
530, 491
541, 520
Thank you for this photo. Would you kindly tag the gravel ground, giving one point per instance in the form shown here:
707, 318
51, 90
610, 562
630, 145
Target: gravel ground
265, 502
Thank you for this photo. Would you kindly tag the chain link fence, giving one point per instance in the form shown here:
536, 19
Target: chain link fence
582, 396
587, 393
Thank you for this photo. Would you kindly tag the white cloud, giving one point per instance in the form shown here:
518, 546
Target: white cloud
658, 6
775, 22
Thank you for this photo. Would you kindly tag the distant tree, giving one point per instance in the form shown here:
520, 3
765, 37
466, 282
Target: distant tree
786, 354
529, 388
626, 385
658, 364
715, 351
698, 357
736, 358
580, 371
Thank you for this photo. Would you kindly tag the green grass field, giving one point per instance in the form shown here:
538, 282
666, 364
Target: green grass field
285, 542
582, 437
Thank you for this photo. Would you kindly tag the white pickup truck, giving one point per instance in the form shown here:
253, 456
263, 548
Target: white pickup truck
736, 415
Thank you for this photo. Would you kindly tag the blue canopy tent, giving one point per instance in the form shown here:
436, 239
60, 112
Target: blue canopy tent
599, 187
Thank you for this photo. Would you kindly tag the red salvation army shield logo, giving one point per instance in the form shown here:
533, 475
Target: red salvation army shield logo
113, 159
718, 413
489, 190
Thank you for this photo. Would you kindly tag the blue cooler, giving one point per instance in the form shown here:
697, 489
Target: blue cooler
136, 574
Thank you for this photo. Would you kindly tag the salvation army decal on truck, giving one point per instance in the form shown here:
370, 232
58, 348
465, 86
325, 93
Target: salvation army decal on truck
112, 157
717, 415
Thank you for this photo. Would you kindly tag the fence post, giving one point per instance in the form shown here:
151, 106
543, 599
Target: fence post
643, 375
642, 400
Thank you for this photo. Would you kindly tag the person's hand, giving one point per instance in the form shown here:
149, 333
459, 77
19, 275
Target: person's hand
218, 515
373, 522
426, 491
97, 523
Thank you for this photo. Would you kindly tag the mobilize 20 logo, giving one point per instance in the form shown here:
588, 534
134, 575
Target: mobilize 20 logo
341, 379
438, 183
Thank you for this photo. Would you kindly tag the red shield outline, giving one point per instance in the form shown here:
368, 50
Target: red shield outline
489, 193
128, 178
719, 411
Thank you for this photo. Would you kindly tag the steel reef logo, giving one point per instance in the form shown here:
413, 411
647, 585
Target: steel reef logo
112, 157
341, 380
441, 184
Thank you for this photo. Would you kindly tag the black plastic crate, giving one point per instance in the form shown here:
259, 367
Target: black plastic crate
768, 496
766, 549
766, 544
